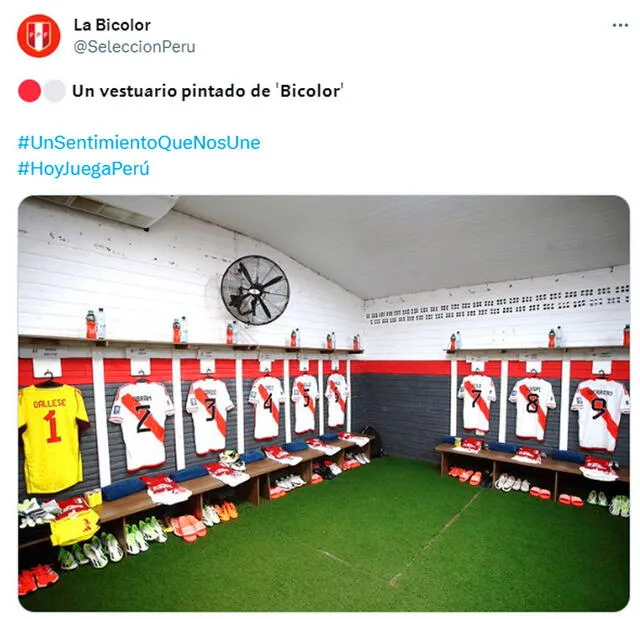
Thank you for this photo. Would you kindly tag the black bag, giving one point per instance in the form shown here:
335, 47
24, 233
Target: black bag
376, 441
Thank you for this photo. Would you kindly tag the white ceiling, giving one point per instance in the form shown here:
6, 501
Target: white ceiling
378, 246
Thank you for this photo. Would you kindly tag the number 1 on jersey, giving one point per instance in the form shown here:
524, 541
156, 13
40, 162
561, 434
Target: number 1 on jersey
53, 430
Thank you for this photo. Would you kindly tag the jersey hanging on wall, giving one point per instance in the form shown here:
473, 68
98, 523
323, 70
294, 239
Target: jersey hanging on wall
477, 392
600, 404
208, 402
266, 396
141, 409
533, 398
51, 418
336, 394
304, 394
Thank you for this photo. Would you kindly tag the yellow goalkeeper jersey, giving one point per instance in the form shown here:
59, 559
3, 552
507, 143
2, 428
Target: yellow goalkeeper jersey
51, 445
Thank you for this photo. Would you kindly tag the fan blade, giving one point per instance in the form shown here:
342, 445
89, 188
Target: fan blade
264, 307
246, 274
254, 303
275, 280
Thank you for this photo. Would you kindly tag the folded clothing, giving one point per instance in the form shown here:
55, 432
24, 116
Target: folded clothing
225, 474
529, 455
280, 455
123, 488
318, 445
187, 474
164, 491
470, 445
360, 441
599, 469
75, 523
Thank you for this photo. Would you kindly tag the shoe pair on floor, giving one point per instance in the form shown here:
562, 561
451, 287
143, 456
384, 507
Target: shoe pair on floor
507, 483
567, 499
98, 552
37, 577
619, 506
598, 498
475, 478
290, 482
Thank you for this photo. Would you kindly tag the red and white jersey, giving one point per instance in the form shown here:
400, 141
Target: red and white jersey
336, 394
266, 396
304, 394
600, 404
141, 409
477, 392
533, 398
208, 402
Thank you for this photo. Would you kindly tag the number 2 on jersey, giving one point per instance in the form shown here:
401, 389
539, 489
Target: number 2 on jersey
53, 430
147, 411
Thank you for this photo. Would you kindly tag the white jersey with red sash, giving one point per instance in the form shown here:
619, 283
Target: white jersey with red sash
141, 409
336, 394
208, 402
600, 404
305, 394
533, 398
266, 396
477, 392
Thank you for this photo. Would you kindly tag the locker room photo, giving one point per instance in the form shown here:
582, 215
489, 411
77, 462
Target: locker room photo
323, 403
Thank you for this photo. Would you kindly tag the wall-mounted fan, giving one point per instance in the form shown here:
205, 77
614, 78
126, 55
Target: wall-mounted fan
255, 290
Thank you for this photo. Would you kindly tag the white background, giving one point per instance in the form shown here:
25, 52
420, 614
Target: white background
440, 98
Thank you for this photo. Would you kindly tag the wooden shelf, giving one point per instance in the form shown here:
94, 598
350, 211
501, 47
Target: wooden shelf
503, 349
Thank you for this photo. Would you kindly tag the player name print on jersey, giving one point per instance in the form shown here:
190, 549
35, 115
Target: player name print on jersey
51, 418
533, 398
208, 402
600, 404
336, 393
477, 392
141, 410
266, 396
304, 394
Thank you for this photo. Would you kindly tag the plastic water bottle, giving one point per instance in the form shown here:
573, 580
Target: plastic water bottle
101, 325
91, 325
176, 331
183, 330
559, 338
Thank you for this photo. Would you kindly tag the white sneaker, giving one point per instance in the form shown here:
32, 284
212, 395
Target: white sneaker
508, 484
213, 514
284, 484
517, 485
335, 469
500, 481
526, 486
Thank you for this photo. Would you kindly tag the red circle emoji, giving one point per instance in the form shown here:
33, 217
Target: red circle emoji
38, 36
29, 91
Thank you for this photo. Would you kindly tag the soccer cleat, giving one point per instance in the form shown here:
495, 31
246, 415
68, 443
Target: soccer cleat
66, 560
206, 517
602, 499
592, 498
97, 558
78, 555
231, 509
148, 532
615, 505
113, 548
97, 544
167, 527
222, 512
334, 468
213, 515
130, 541
624, 506
517, 485
44, 576
526, 486
157, 527
508, 483
26, 583
140, 541
284, 484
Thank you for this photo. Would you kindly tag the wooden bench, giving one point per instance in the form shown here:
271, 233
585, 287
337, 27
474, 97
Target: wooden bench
500, 458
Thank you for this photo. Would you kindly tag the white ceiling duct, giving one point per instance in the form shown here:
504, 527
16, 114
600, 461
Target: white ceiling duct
139, 211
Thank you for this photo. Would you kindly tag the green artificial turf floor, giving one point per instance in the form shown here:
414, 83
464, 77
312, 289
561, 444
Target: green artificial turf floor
390, 536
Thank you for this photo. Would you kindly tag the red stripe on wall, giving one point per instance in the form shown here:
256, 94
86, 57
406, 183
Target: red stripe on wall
583, 370
190, 369
433, 368
119, 371
75, 371
550, 369
491, 368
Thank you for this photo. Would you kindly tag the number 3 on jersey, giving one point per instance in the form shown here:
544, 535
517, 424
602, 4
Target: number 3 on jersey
210, 405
